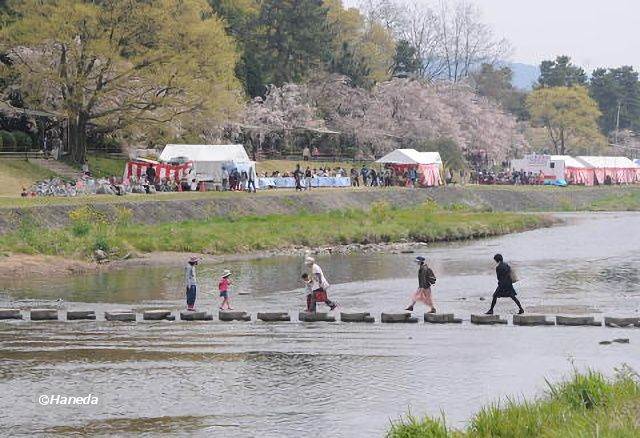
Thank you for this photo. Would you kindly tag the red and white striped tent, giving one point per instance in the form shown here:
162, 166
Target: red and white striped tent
138, 168
621, 170
427, 164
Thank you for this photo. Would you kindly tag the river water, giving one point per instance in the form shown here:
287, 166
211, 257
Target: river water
343, 380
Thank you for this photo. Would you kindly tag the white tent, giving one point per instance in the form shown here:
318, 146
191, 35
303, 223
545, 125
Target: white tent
608, 162
209, 159
411, 156
427, 164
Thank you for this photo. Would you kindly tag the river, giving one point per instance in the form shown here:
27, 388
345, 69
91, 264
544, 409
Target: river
343, 380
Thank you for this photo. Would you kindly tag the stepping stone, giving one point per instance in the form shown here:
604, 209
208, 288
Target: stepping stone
397, 318
156, 315
274, 316
487, 319
621, 322
120, 316
621, 340
73, 315
531, 320
356, 317
10, 314
577, 321
441, 318
315, 317
186, 315
233, 316
44, 314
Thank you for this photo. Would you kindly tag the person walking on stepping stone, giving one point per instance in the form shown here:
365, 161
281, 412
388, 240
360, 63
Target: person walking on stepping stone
505, 284
190, 280
426, 278
319, 285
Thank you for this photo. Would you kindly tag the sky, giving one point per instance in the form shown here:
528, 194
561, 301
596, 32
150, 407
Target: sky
595, 33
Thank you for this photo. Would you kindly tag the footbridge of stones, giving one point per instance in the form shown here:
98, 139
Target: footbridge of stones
131, 316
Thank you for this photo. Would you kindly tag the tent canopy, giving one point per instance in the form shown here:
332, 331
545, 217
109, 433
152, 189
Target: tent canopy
209, 160
205, 152
410, 156
569, 161
608, 162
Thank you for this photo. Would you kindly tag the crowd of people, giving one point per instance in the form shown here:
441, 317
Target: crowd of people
506, 177
316, 286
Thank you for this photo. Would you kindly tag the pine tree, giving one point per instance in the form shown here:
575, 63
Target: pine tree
405, 61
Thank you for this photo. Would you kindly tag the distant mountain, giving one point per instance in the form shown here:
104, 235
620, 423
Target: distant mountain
524, 75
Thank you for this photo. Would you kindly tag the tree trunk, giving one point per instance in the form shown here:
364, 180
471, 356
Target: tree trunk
78, 138
562, 147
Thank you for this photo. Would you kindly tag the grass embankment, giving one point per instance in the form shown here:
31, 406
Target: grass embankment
104, 166
587, 405
16, 174
626, 202
91, 230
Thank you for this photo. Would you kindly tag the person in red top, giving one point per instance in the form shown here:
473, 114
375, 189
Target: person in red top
223, 287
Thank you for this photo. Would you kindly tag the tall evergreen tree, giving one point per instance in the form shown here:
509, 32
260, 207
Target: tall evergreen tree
561, 73
294, 39
406, 61
350, 64
617, 92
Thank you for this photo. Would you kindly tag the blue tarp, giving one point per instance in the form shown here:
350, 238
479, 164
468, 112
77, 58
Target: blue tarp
290, 182
558, 183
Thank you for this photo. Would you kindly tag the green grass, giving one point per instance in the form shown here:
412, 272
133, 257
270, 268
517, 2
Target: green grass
625, 202
104, 166
586, 405
92, 229
15, 174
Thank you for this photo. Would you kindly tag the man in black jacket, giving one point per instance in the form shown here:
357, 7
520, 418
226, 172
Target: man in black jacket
505, 285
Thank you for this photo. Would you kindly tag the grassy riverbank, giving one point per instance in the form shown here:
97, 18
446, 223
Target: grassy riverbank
91, 229
587, 405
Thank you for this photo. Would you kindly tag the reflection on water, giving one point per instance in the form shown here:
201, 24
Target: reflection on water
256, 379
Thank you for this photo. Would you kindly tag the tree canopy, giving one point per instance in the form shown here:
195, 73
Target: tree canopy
570, 117
617, 91
561, 73
122, 64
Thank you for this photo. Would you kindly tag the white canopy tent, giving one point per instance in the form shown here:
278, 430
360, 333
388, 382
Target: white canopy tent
209, 159
411, 156
427, 164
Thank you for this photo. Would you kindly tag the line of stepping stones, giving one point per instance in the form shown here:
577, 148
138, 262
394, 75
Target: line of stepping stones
406, 317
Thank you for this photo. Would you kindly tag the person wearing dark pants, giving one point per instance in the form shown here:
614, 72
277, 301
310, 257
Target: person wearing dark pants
190, 279
319, 285
505, 285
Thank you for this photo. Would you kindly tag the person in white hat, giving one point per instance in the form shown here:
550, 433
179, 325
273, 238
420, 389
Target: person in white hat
319, 285
191, 282
426, 278
223, 287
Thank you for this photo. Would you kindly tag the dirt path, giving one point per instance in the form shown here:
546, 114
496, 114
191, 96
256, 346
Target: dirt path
21, 265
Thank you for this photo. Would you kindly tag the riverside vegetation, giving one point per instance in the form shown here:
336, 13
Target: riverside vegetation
586, 405
91, 230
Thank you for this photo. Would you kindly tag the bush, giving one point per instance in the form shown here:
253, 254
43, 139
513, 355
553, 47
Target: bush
8, 141
22, 139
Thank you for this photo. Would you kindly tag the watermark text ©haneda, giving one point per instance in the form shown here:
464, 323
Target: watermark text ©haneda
66, 400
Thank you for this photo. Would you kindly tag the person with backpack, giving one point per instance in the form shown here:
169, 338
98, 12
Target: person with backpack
506, 278
426, 278
319, 285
